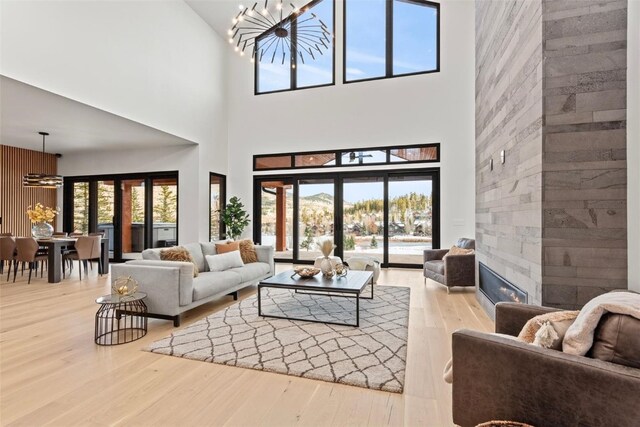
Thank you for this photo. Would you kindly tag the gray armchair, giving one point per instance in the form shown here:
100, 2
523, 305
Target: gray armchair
453, 270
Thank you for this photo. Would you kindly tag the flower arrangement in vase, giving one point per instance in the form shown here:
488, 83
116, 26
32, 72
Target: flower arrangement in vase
40, 216
326, 266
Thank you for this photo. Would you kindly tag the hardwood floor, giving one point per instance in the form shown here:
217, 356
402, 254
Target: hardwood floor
52, 373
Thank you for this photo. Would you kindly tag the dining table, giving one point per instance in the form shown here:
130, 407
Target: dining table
55, 247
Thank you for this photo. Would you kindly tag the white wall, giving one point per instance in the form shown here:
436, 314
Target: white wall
427, 108
633, 143
193, 164
154, 62
148, 61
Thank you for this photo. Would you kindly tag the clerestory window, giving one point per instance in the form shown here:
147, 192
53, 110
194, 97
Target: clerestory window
390, 38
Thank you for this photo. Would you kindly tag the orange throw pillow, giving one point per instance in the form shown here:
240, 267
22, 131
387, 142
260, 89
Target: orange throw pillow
248, 252
223, 248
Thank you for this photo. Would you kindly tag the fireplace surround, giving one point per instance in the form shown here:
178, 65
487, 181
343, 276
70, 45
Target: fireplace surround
498, 289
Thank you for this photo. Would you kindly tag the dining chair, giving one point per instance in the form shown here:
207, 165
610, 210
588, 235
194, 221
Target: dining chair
87, 250
97, 233
75, 234
27, 253
6, 234
59, 234
7, 253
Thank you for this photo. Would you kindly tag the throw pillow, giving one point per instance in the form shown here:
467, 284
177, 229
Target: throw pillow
248, 252
458, 251
547, 330
223, 248
178, 253
616, 340
222, 262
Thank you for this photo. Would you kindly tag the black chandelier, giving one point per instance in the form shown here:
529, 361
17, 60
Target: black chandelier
42, 180
269, 33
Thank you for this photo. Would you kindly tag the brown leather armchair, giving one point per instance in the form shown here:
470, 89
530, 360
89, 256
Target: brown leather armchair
498, 378
453, 270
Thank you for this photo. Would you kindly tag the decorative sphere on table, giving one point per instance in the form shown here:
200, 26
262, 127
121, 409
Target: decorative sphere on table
125, 285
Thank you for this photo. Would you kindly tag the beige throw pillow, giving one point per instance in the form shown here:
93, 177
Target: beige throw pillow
547, 330
248, 252
458, 251
178, 253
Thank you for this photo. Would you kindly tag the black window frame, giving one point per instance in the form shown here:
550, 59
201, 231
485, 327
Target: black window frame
389, 43
223, 202
293, 79
338, 157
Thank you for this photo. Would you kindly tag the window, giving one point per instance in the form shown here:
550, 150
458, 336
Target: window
388, 215
217, 199
359, 157
413, 154
315, 160
135, 211
301, 64
426, 153
271, 162
390, 38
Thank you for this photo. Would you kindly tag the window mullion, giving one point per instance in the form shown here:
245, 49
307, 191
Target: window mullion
389, 39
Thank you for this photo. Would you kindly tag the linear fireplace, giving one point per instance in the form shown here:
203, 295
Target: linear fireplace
497, 289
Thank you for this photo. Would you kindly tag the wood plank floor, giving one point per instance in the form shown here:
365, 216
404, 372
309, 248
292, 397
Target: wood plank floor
52, 373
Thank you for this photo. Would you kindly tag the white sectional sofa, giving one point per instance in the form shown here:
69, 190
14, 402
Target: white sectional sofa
171, 288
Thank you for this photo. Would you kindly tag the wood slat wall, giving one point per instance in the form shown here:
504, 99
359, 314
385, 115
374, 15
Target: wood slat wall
14, 198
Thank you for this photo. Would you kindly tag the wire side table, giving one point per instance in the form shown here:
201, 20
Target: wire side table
120, 319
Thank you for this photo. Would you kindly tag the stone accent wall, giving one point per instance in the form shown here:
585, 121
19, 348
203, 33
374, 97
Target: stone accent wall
551, 92
509, 117
584, 164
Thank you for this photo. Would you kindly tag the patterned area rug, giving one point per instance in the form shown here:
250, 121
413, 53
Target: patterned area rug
371, 356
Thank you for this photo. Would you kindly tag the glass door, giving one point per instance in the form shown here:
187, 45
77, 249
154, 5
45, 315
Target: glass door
316, 207
165, 212
106, 197
410, 218
276, 217
389, 216
363, 217
80, 207
132, 229
134, 211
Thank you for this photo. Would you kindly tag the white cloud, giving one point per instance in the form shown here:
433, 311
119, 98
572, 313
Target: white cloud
354, 72
365, 58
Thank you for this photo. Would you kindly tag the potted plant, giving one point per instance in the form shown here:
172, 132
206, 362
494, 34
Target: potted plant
235, 218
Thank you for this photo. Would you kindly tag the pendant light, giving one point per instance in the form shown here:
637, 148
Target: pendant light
42, 180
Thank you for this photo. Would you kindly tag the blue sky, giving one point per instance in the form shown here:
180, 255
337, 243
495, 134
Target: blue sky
414, 45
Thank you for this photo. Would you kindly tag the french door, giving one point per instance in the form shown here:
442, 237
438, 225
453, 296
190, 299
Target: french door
386, 215
134, 211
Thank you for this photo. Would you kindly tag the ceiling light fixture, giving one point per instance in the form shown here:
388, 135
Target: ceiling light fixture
272, 34
42, 180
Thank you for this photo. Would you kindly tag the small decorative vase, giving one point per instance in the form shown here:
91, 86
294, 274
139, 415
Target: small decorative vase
326, 267
341, 270
42, 230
